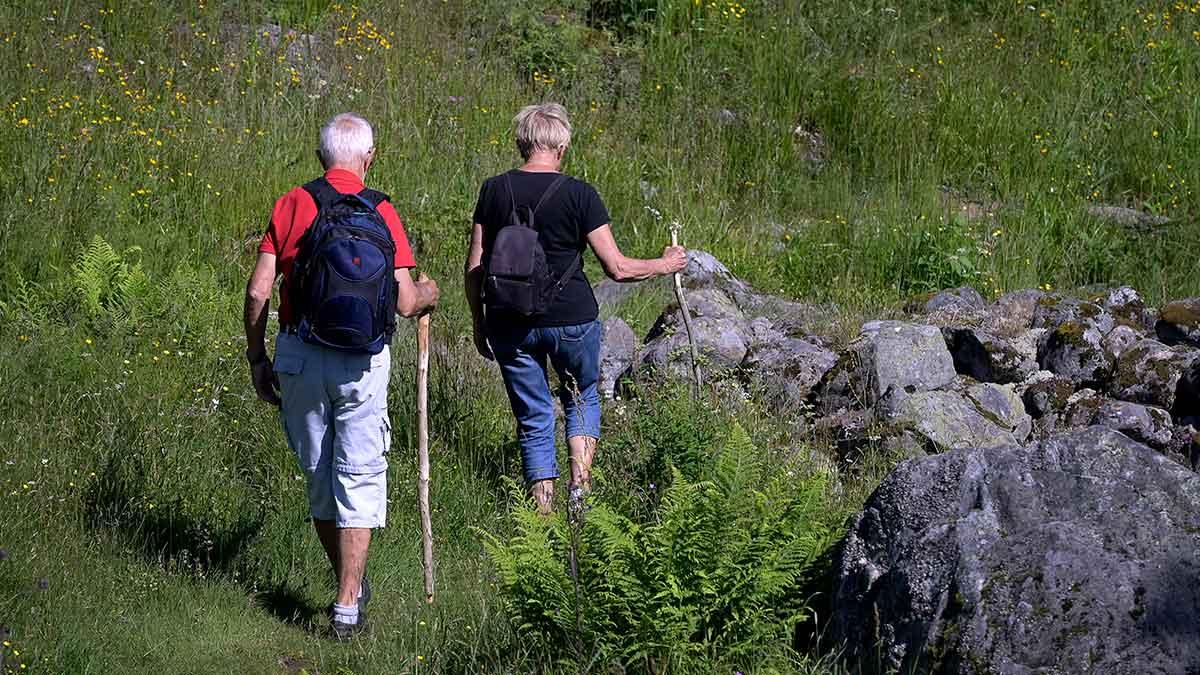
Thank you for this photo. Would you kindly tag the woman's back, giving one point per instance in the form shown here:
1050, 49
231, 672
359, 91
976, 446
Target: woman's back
563, 221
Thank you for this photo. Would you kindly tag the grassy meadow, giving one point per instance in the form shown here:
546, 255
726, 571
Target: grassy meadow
151, 517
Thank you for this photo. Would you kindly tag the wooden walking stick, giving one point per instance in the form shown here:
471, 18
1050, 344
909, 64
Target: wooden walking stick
687, 315
423, 451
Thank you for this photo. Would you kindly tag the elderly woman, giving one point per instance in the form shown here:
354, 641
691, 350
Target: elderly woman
568, 216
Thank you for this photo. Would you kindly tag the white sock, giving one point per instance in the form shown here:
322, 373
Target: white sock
345, 613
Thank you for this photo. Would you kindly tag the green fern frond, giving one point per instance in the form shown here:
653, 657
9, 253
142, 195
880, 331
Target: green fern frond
716, 575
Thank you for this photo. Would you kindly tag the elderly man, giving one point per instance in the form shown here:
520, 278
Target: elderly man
568, 216
345, 260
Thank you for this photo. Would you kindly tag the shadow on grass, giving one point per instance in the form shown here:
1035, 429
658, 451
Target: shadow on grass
166, 534
288, 604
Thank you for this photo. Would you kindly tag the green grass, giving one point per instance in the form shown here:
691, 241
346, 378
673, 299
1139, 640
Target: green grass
156, 497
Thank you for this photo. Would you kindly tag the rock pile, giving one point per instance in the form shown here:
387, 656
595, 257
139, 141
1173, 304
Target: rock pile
765, 342
957, 373
1045, 521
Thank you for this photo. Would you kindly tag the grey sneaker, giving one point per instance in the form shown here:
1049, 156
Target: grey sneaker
365, 595
344, 632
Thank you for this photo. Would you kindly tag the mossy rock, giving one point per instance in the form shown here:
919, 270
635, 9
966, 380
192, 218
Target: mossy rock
1182, 313
1179, 322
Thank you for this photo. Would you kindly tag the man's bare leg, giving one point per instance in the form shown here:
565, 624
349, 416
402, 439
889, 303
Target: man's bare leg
353, 543
543, 495
327, 532
583, 450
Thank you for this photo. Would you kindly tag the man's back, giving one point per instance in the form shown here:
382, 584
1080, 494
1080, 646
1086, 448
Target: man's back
295, 212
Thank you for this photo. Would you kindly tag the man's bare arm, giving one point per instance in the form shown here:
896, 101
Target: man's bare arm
414, 298
258, 300
254, 314
473, 274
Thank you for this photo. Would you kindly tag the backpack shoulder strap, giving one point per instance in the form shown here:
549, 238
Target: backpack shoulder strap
562, 178
374, 197
512, 196
550, 190
322, 192
562, 281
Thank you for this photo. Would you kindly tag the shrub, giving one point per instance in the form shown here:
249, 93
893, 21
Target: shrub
714, 579
549, 42
944, 257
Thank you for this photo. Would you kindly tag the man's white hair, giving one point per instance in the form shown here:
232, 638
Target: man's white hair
346, 139
542, 127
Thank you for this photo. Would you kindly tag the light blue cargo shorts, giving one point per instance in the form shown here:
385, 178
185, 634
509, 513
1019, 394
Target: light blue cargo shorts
334, 415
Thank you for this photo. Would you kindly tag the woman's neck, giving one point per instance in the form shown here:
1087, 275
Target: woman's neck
542, 162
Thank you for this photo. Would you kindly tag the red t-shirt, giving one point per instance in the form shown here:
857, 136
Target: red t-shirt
296, 211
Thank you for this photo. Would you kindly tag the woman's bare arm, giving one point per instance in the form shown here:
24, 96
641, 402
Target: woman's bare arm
621, 268
473, 280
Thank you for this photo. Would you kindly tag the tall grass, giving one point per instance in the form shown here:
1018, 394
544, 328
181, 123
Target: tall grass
141, 481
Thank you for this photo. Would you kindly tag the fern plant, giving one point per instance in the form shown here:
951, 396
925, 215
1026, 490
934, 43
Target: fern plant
106, 285
26, 306
713, 580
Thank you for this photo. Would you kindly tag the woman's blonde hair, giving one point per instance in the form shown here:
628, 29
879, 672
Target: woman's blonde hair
542, 127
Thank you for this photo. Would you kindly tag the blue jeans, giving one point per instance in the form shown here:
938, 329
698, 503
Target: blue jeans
574, 351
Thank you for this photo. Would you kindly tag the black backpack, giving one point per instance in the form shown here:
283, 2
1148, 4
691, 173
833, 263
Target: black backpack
518, 276
343, 287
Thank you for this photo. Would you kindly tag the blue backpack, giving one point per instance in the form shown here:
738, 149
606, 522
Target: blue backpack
343, 286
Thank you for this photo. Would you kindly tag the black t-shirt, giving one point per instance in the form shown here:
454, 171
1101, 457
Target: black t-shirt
563, 222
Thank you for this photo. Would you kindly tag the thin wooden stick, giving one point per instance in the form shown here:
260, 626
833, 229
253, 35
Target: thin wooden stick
687, 315
423, 451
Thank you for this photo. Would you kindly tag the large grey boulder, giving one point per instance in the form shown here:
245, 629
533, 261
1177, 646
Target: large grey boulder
1012, 313
790, 316
951, 300
1143, 423
617, 346
1125, 216
989, 358
1052, 311
1119, 339
1149, 371
1129, 308
703, 271
784, 368
1075, 350
1074, 555
985, 415
886, 356
722, 334
1179, 322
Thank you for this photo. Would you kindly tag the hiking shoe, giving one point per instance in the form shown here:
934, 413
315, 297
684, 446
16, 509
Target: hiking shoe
365, 594
344, 632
